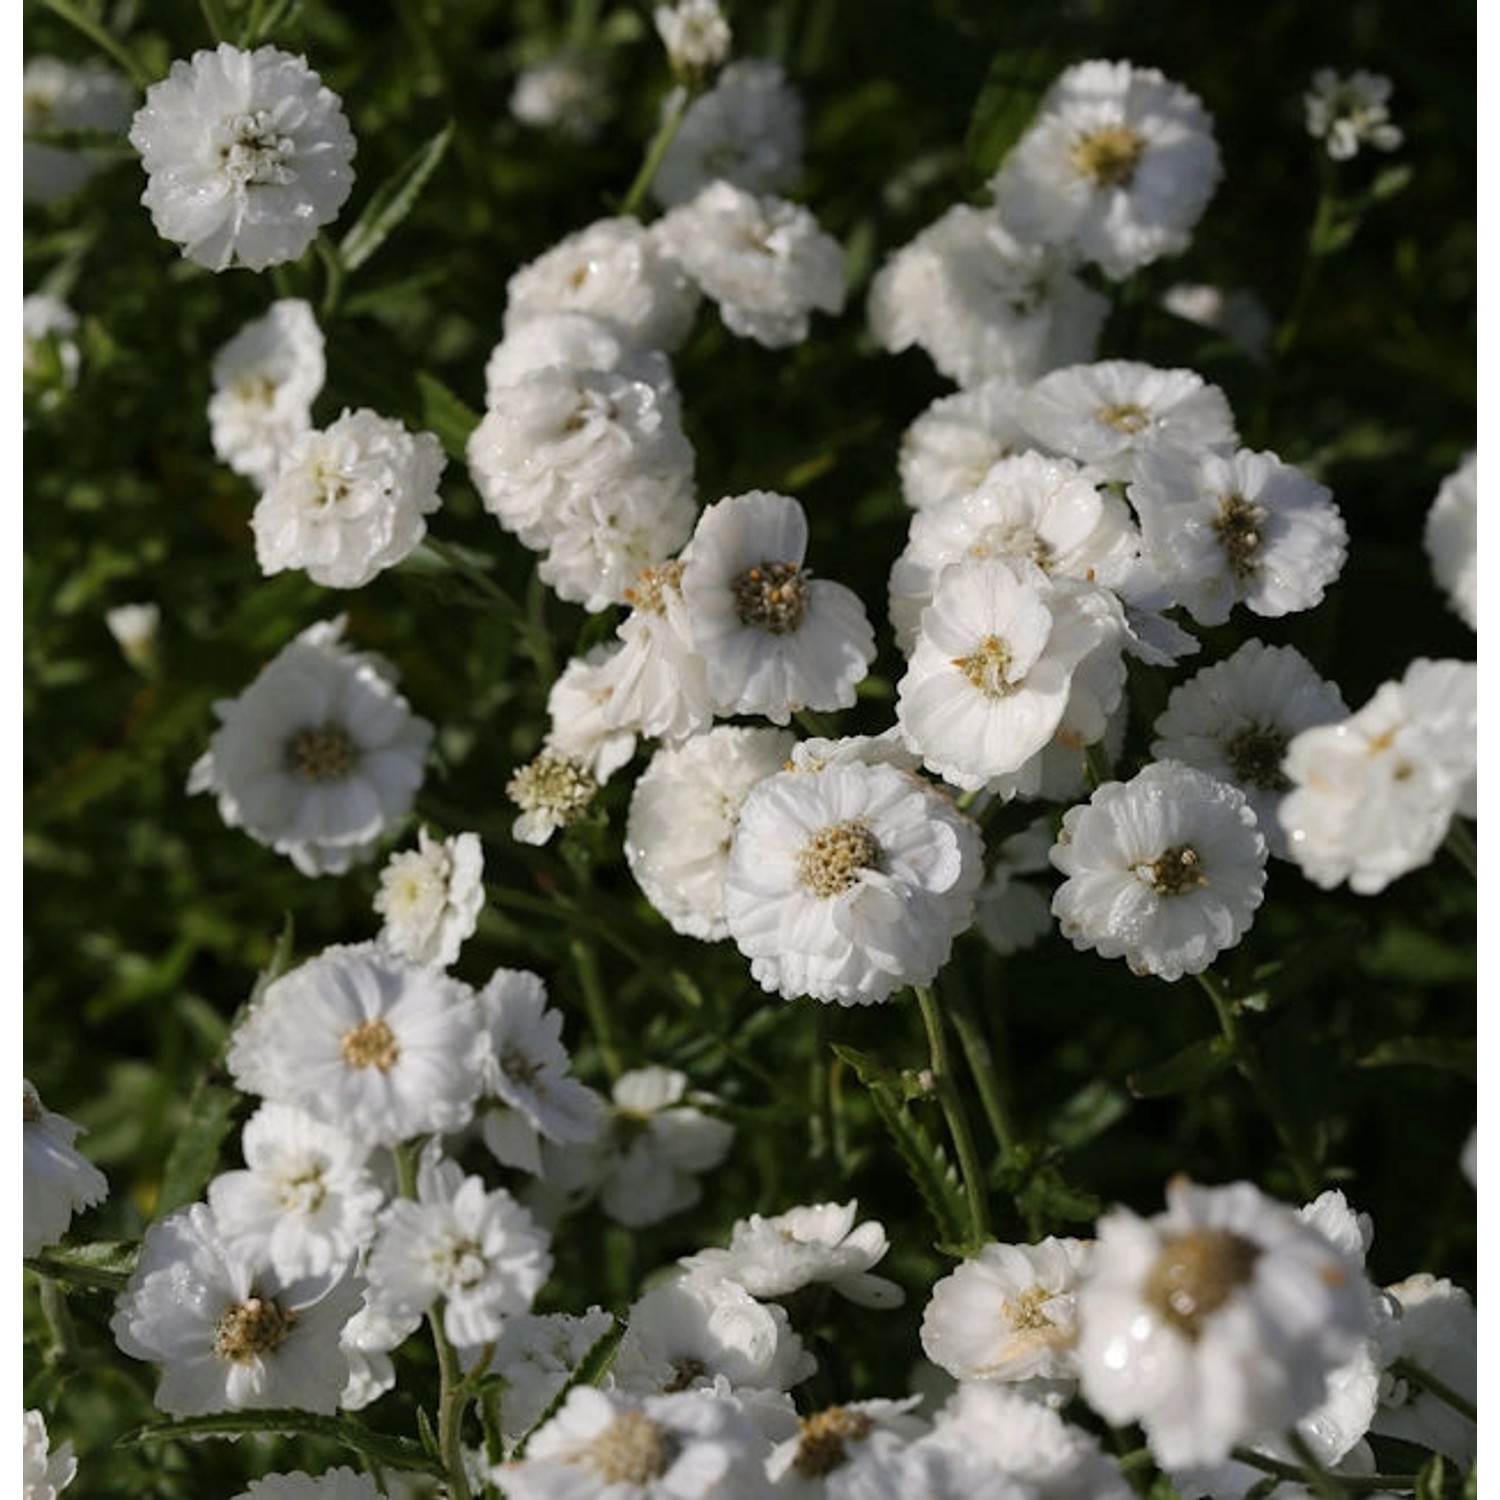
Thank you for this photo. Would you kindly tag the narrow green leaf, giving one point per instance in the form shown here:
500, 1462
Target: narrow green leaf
446, 416
1087, 1114
1451, 1054
591, 1369
1390, 181
381, 1448
1188, 1069
1430, 1478
103, 1266
1020, 73
392, 201
194, 1157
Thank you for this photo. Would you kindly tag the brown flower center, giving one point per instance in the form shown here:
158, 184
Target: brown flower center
1108, 156
371, 1044
653, 585
255, 1326
1196, 1274
987, 667
771, 597
824, 1434
831, 860
631, 1450
1173, 871
1255, 755
1125, 416
1237, 527
321, 753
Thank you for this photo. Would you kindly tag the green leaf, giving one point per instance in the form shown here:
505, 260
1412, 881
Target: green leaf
1018, 77
392, 201
1450, 1054
1089, 1113
447, 416
591, 1369
1189, 1069
194, 1157
381, 1448
1430, 1478
103, 1266
1390, 181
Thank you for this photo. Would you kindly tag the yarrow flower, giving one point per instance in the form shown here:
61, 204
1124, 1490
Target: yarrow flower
431, 896
331, 1484
1165, 870
1346, 113
57, 1180
247, 156
319, 756
568, 91
695, 34
552, 790
48, 1470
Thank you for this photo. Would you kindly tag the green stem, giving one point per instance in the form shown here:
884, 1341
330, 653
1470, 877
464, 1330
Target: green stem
953, 1112
1319, 1480
636, 193
216, 20
494, 1433
1460, 844
820, 1092
333, 272
981, 1060
1405, 1369
65, 1346
1291, 326
102, 39
596, 1005
481, 580
1096, 765
1343, 1484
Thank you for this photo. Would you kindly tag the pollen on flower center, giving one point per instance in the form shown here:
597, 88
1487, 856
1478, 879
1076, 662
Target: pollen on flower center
1237, 527
1255, 755
824, 1434
631, 1450
653, 584
684, 1372
554, 784
256, 153
771, 597
1125, 416
371, 1044
1173, 872
1109, 155
321, 753
987, 667
1024, 1312
1196, 1273
831, 860
1014, 539
255, 1326
305, 1192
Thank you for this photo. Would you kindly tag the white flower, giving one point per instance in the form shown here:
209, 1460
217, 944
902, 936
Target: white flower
247, 156
363, 1041
48, 1470
266, 379
319, 757
1008, 1314
891, 1470
830, 1444
571, 341
57, 1180
848, 883
1235, 719
982, 302
814, 1242
957, 440
682, 818
1438, 1331
348, 501
747, 129
1241, 529
585, 722
552, 790
305, 1201
568, 91
1117, 167
367, 1341
536, 1356
480, 1252
228, 1332
1451, 537
613, 269
431, 896
1214, 1322
1238, 313
689, 1331
331, 1484
1347, 113
608, 1446
1372, 796
774, 638
994, 668
763, 259
695, 34
57, 95
50, 356
528, 1093
1165, 870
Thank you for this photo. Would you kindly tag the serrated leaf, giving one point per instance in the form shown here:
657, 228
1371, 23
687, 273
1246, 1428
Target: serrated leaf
395, 1452
103, 1266
1188, 1069
1049, 1197
1451, 1054
392, 201
194, 1157
590, 1370
446, 416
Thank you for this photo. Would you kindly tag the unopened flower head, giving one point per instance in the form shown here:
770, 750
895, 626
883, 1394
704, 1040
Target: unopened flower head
247, 156
568, 92
57, 1180
1346, 113
695, 34
431, 897
552, 790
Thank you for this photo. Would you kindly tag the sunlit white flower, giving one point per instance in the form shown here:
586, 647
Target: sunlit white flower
747, 129
552, 790
536, 1356
1059, 771
362, 1040
983, 303
1372, 796
1346, 113
957, 440
431, 896
48, 1470
1165, 870
1008, 1314
774, 638
266, 379
568, 91
586, 722
695, 34
1438, 1331
849, 883
1215, 1321
814, 1242
478, 1252
1451, 537
304, 1200
1237, 313
883, 1467
228, 1332
1117, 166
332, 1484
319, 756
830, 1444
682, 819
57, 1180
247, 156
1235, 719
570, 341
58, 95
368, 1339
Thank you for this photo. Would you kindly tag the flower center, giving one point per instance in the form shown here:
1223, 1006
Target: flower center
1237, 527
371, 1044
459, 1264
824, 1434
1014, 539
520, 1068
831, 860
255, 1326
771, 597
321, 753
684, 1372
631, 1450
653, 584
987, 667
1024, 1312
306, 1192
554, 784
1173, 872
627, 1126
256, 153
1125, 416
1255, 755
256, 390
1196, 1274
1108, 155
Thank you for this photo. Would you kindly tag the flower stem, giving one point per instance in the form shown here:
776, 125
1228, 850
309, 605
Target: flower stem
481, 580
1460, 844
1340, 1484
636, 192
981, 1059
1319, 1480
595, 1004
101, 38
1405, 1369
1312, 262
333, 272
953, 1112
